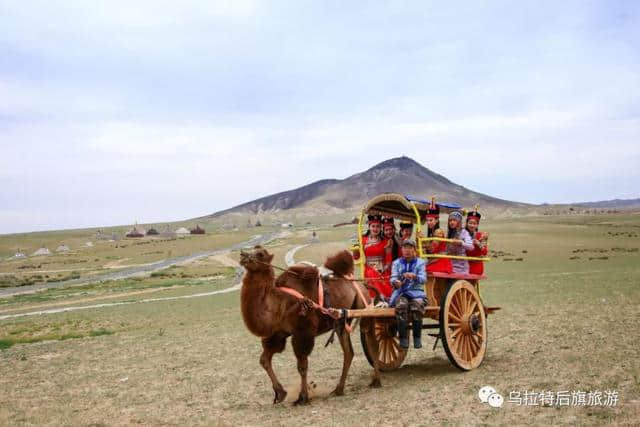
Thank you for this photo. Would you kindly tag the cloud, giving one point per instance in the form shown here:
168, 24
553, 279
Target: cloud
201, 105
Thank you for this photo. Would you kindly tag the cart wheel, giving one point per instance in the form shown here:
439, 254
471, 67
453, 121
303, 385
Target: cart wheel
463, 326
390, 354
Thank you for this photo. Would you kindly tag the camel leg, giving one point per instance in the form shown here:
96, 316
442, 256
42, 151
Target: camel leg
372, 345
302, 347
347, 353
271, 345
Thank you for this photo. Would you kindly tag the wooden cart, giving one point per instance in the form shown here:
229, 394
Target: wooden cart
454, 304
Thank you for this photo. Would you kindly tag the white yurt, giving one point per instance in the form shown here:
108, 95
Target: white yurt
182, 231
89, 244
62, 248
41, 251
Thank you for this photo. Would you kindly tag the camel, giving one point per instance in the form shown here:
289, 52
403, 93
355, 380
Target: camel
274, 315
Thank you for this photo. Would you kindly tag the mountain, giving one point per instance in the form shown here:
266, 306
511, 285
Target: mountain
614, 204
400, 175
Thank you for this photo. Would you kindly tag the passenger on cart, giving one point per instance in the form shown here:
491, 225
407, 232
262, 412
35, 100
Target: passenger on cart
377, 252
406, 230
432, 218
461, 246
408, 276
389, 232
479, 240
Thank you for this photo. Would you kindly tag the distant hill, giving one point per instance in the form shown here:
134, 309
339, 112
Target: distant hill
401, 175
611, 204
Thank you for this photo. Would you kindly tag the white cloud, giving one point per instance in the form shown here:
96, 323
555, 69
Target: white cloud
201, 105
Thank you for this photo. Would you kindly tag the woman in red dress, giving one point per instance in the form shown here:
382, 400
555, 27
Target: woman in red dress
479, 242
442, 265
378, 257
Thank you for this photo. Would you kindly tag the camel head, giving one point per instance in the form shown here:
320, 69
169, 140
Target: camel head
257, 259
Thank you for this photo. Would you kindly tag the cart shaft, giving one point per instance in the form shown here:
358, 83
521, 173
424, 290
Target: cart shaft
382, 312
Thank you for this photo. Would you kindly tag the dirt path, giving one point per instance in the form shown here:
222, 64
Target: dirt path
116, 264
288, 258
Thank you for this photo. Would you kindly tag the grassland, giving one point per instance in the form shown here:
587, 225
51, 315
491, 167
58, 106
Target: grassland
102, 258
146, 354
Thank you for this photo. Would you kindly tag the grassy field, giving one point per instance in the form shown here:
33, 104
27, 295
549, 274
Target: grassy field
146, 354
101, 258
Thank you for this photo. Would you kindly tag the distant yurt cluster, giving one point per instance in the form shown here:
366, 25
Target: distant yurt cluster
135, 232
43, 251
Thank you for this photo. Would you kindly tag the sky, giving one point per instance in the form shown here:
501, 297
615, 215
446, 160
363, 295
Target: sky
116, 111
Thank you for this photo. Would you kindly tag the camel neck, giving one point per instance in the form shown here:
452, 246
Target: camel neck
259, 282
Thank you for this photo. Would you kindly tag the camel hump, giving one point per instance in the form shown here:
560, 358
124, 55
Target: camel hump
340, 263
298, 273
304, 270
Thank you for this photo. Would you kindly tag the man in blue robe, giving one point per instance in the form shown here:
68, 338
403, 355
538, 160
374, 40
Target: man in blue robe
408, 276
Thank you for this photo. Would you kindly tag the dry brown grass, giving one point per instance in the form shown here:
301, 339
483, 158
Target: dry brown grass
565, 325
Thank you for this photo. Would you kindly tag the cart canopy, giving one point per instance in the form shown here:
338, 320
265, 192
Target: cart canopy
400, 206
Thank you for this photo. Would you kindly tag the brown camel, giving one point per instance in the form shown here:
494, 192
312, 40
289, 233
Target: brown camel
274, 315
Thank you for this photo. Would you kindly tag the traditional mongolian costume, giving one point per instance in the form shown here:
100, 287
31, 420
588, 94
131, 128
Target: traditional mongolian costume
405, 225
459, 265
395, 246
480, 248
442, 265
378, 259
408, 297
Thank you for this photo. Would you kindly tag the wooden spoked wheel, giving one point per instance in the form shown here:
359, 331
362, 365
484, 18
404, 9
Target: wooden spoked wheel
463, 326
390, 354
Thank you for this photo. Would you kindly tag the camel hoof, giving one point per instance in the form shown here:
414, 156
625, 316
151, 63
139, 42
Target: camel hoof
302, 400
338, 391
375, 383
280, 395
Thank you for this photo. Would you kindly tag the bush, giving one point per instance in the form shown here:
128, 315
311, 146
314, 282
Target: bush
161, 273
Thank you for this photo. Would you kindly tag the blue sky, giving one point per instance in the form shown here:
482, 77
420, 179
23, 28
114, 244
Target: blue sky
112, 112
